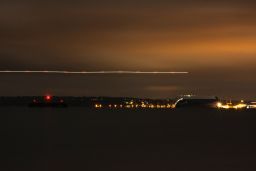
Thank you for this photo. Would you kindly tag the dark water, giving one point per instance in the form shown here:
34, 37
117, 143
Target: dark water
82, 139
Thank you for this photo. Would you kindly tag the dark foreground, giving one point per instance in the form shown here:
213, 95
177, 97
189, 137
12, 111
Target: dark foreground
82, 139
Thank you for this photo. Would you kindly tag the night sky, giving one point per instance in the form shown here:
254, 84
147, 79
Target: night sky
213, 40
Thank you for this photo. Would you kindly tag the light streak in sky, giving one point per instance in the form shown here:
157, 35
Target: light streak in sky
93, 72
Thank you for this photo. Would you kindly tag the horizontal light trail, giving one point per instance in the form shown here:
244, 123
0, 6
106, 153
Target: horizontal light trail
95, 72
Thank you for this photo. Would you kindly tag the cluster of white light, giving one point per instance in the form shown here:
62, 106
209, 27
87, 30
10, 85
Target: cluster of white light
241, 105
252, 105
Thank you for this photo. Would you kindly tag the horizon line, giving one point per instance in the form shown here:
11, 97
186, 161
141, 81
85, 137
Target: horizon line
93, 72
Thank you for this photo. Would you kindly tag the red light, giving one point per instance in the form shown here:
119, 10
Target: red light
48, 97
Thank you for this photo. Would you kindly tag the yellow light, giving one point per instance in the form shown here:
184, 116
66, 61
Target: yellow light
151, 106
162, 106
240, 106
219, 105
143, 106
128, 106
98, 105
226, 106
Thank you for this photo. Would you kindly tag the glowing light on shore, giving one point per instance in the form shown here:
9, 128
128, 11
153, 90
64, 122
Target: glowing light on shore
95, 72
48, 97
219, 105
229, 105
